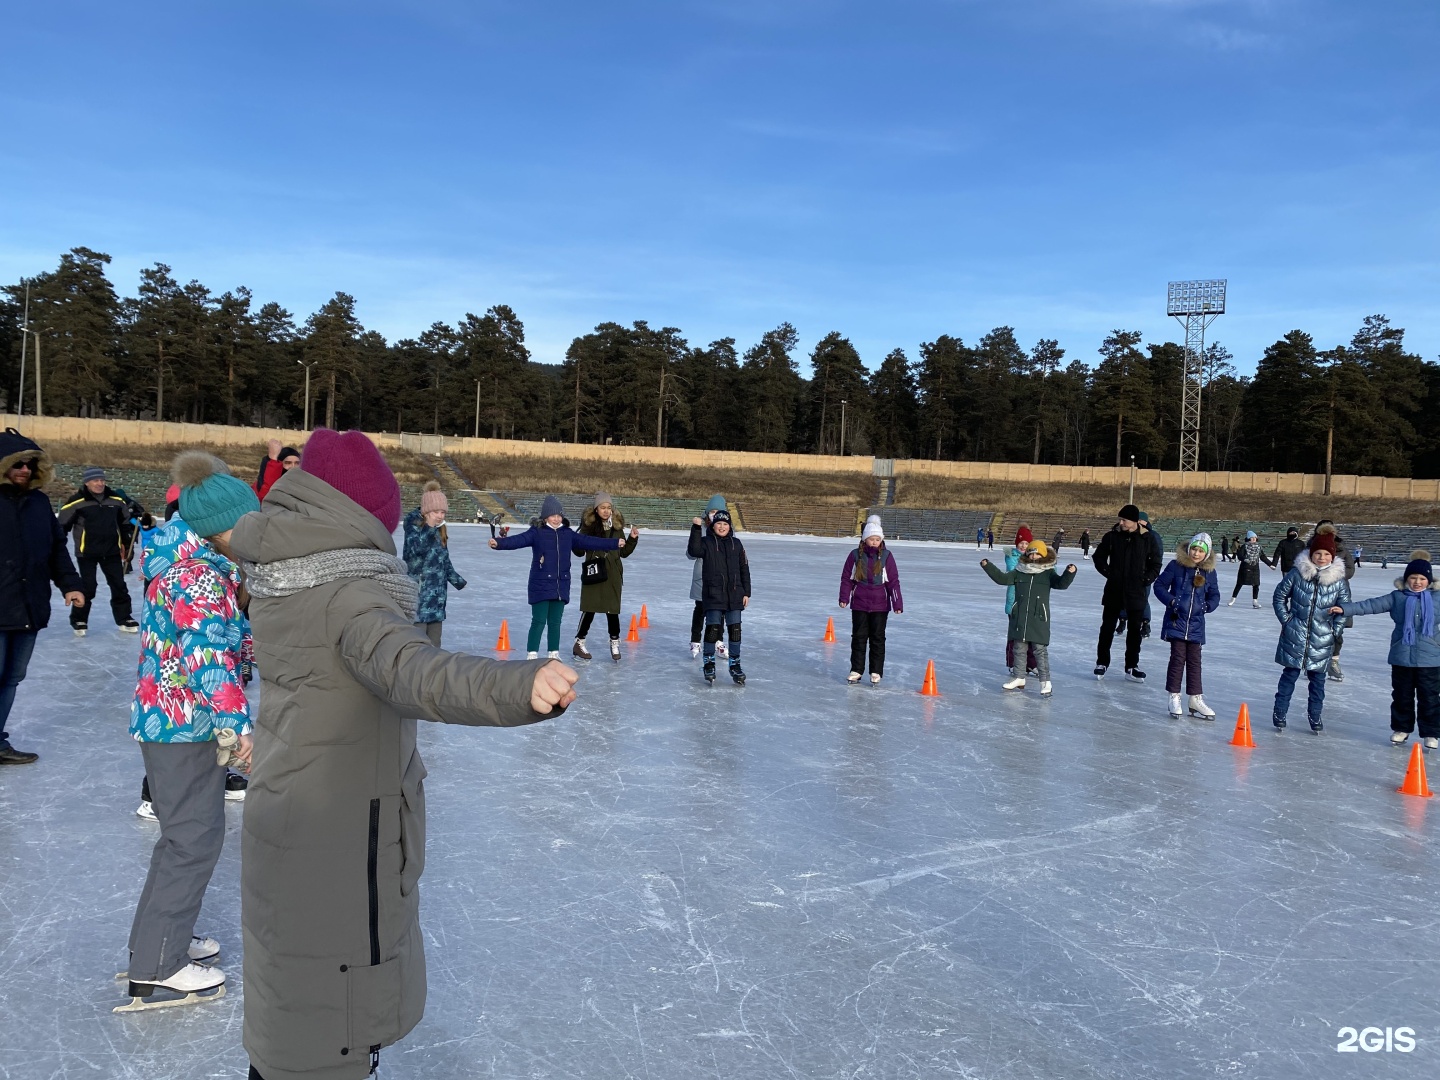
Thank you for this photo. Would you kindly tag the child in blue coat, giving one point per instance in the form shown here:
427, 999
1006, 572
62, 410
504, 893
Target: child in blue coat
427, 558
1414, 650
551, 541
1190, 589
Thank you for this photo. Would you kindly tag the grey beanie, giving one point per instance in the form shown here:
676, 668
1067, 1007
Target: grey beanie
602, 498
94, 472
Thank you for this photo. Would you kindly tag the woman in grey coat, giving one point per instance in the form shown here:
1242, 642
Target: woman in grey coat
697, 587
334, 836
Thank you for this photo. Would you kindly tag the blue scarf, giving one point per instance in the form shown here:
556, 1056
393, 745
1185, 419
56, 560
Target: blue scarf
1426, 604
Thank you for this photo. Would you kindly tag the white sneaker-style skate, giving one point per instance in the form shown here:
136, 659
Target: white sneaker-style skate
1255, 603
1199, 709
1017, 683
1046, 689
1175, 710
694, 650
853, 677
615, 649
722, 649
553, 654
532, 656
203, 948
196, 982
146, 810
874, 678
1399, 737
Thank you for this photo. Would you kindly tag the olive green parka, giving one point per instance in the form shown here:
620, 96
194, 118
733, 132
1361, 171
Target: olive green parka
1030, 617
334, 834
604, 597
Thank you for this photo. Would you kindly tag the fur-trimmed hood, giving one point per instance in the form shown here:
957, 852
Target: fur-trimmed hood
1327, 575
591, 525
1182, 556
1037, 566
15, 448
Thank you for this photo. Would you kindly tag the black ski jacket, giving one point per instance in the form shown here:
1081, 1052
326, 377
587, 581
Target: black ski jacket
101, 523
1130, 563
724, 569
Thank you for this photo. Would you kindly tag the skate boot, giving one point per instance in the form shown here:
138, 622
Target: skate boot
579, 649
553, 654
1032, 673
1231, 603
80, 628
532, 656
1175, 710
874, 678
853, 677
1335, 674
1255, 603
196, 982
1399, 738
1317, 725
1145, 629
1134, 674
1017, 683
694, 650
709, 669
10, 756
235, 787
1046, 689
1199, 709
722, 649
1279, 722
130, 626
1100, 671
615, 649
203, 948
1431, 742
736, 673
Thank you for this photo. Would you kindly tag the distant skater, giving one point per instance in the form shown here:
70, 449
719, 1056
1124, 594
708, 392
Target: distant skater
726, 570
1189, 588
870, 588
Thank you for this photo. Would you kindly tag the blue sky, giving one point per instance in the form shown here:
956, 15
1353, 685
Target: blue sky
892, 170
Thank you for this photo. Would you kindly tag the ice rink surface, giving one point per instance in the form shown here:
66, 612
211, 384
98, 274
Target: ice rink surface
801, 878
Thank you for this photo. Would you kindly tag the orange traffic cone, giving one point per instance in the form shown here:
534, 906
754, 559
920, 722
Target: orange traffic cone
634, 634
644, 618
1243, 735
502, 643
829, 630
929, 689
1415, 776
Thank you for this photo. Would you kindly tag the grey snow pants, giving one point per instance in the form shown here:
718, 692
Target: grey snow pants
187, 790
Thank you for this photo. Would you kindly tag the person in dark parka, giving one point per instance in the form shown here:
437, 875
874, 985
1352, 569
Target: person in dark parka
32, 556
1128, 561
603, 597
334, 834
725, 571
1286, 550
101, 522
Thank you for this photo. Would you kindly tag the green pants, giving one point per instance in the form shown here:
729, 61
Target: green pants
545, 615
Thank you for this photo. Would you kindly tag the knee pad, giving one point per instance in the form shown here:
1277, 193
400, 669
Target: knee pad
734, 633
712, 633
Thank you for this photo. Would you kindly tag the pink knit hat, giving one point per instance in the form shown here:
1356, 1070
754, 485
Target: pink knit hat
433, 498
352, 466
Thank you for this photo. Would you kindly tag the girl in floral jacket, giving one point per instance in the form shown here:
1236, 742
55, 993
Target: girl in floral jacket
427, 558
194, 643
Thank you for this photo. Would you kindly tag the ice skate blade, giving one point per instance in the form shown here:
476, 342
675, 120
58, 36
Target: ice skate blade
1201, 716
138, 1003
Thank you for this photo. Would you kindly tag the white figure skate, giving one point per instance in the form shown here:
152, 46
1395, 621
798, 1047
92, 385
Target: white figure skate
196, 983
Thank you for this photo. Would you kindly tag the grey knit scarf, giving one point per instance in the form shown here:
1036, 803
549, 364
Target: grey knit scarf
285, 577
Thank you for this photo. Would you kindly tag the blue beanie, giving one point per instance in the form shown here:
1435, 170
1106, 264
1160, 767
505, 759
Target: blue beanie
211, 500
717, 502
550, 507
1420, 564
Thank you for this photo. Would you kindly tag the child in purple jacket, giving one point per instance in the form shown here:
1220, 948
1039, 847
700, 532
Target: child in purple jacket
870, 588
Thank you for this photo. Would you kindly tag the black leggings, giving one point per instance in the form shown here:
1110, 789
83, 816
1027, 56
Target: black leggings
697, 623
1255, 587
612, 620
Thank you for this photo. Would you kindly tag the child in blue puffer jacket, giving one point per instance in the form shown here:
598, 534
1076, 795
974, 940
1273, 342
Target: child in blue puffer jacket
427, 558
1190, 589
1414, 650
1305, 602
551, 541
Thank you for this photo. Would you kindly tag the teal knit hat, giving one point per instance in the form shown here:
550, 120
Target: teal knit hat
211, 500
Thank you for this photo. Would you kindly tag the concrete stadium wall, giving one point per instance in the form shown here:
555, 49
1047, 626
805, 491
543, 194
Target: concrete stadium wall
124, 432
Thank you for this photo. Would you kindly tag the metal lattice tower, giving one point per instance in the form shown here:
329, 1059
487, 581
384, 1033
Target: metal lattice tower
1196, 304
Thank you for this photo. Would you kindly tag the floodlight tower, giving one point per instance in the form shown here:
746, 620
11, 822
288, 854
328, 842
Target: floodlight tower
1196, 304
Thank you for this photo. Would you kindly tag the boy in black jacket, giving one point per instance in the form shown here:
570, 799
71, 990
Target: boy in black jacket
725, 574
100, 520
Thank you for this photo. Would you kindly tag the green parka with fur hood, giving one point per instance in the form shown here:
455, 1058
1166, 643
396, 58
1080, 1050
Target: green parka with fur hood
604, 597
334, 835
1033, 579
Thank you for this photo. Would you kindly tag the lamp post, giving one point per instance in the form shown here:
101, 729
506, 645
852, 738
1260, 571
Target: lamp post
1132, 479
477, 408
307, 368
39, 393
24, 343
842, 427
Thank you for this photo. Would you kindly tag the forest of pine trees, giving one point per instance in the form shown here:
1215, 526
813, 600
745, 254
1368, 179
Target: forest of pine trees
181, 352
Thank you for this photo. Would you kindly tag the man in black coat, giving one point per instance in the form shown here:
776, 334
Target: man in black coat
1287, 549
100, 520
32, 555
1129, 562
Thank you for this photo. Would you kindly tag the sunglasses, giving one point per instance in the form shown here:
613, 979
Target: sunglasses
33, 464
